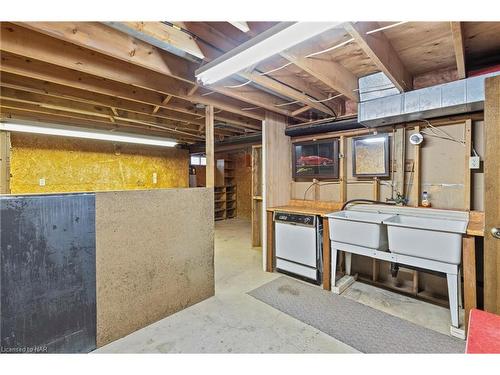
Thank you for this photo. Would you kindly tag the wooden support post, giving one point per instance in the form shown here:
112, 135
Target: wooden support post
492, 192
468, 150
416, 174
209, 145
270, 242
4, 162
343, 170
469, 273
400, 158
375, 197
327, 265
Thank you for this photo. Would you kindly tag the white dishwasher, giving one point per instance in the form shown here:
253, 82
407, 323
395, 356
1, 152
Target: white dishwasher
298, 244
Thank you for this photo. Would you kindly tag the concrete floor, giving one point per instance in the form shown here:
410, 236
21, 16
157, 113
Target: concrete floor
232, 321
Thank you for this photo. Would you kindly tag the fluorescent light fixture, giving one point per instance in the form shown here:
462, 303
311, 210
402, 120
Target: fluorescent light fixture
66, 131
374, 140
272, 41
242, 26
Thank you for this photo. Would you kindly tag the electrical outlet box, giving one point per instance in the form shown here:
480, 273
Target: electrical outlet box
41, 182
155, 178
474, 162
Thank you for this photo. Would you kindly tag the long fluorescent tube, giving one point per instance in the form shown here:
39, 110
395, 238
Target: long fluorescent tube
272, 41
66, 131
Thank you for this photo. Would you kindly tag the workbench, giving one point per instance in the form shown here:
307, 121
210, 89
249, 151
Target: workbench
475, 228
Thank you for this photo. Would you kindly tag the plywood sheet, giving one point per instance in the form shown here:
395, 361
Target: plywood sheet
47, 266
155, 256
76, 165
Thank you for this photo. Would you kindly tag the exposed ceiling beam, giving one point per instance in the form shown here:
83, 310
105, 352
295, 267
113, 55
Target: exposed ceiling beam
62, 109
33, 45
113, 43
66, 82
301, 110
458, 45
163, 36
331, 73
381, 52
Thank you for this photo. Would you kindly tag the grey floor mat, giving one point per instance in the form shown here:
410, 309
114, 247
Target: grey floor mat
359, 326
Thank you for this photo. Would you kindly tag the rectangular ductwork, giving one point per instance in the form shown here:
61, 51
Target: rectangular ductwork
466, 95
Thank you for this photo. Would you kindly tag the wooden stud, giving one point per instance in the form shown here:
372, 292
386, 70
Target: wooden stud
416, 173
209, 146
4, 162
343, 169
467, 171
492, 192
458, 45
469, 275
270, 242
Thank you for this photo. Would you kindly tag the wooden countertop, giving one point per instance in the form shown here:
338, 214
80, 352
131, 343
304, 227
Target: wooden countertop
476, 224
308, 207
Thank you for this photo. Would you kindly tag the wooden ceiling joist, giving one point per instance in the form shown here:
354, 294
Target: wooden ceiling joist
81, 81
33, 45
458, 45
381, 52
113, 43
330, 73
163, 36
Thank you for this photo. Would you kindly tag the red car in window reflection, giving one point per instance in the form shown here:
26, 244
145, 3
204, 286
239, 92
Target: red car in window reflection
314, 160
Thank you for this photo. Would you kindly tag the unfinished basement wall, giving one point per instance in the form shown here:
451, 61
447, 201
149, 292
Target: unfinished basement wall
443, 169
79, 165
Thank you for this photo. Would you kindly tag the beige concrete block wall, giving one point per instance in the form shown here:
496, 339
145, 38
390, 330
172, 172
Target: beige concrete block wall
154, 256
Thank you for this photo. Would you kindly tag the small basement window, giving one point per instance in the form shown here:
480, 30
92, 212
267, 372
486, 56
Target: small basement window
198, 160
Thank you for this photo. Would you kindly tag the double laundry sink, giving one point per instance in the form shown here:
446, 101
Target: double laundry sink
420, 237
418, 232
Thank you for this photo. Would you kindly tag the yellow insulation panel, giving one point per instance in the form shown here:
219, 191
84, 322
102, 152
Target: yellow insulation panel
74, 165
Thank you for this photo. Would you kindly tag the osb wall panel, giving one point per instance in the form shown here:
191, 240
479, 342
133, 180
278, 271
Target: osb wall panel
73, 165
243, 177
154, 256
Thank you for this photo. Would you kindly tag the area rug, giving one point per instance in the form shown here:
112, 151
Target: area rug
359, 326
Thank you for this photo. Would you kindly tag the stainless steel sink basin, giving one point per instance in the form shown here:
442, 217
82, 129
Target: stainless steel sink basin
359, 228
437, 239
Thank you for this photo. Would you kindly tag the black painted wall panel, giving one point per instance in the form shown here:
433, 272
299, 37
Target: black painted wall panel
47, 287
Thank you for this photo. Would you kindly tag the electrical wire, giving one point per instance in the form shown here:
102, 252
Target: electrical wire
324, 100
444, 134
330, 48
237, 86
319, 184
288, 103
386, 27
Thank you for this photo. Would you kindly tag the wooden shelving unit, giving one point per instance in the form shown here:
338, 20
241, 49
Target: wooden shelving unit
225, 190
